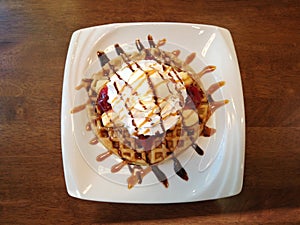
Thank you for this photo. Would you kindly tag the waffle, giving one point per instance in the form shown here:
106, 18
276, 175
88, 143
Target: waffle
158, 148
119, 142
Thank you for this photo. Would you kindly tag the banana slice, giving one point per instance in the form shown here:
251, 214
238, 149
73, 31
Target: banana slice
190, 117
186, 78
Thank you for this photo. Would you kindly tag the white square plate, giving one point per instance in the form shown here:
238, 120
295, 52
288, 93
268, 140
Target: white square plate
217, 174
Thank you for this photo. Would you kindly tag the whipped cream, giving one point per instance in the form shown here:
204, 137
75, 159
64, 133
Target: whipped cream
145, 98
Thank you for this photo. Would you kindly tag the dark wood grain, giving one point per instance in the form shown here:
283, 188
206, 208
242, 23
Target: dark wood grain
34, 37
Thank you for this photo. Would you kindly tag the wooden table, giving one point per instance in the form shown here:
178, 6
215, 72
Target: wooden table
34, 37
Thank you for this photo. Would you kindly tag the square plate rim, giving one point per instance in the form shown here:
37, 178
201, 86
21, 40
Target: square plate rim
68, 176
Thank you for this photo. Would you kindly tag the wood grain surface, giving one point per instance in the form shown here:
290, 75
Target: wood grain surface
34, 37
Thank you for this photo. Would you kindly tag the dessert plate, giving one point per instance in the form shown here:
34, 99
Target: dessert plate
216, 174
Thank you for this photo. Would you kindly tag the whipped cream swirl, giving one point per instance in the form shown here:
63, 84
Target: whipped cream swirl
146, 98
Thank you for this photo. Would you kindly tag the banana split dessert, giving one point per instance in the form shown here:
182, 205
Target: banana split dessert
146, 107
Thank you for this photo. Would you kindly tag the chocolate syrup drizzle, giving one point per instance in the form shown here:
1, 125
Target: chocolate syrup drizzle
180, 171
160, 175
198, 149
137, 171
105, 60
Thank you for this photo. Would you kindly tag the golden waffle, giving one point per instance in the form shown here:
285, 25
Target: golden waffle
178, 138
175, 140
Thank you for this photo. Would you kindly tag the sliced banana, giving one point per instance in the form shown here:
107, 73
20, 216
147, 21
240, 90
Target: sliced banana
109, 118
186, 78
190, 117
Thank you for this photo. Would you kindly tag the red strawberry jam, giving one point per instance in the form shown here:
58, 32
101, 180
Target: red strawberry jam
102, 100
195, 94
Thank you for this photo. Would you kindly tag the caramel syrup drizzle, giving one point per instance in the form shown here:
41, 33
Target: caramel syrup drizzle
176, 52
94, 141
103, 156
79, 108
215, 104
117, 167
134, 178
137, 171
88, 126
189, 58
